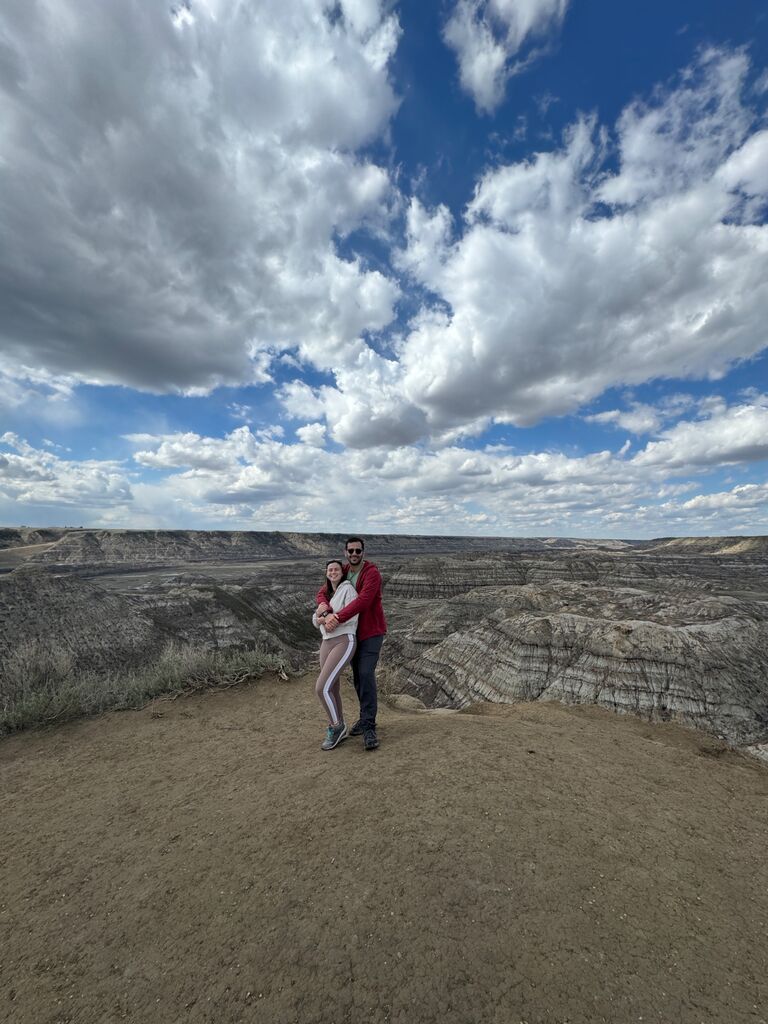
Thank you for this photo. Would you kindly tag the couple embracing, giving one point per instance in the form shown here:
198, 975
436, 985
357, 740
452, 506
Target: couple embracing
351, 620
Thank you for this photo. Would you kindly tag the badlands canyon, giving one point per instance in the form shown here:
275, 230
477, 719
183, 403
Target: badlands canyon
673, 629
564, 824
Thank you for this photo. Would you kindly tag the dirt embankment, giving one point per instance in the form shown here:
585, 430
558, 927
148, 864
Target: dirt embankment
712, 546
203, 861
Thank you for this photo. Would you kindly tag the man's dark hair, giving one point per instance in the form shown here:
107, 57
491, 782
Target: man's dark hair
358, 540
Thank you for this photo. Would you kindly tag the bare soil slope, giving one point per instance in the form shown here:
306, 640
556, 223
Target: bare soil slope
202, 860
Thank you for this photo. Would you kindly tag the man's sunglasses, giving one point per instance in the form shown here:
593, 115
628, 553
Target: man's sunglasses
354, 551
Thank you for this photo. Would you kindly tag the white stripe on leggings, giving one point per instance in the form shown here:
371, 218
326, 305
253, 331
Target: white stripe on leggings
329, 681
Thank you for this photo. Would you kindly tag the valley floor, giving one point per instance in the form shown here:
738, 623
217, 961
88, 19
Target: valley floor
203, 861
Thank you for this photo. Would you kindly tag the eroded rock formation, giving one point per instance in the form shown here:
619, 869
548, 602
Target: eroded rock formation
664, 629
96, 629
103, 550
698, 658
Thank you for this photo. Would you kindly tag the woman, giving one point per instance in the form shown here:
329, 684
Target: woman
336, 651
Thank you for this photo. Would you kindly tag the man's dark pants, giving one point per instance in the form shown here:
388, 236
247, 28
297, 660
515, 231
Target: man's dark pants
364, 676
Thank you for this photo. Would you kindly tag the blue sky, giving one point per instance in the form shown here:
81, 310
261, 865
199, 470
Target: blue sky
480, 266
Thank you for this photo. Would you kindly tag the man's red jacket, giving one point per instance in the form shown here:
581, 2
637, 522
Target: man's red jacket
367, 604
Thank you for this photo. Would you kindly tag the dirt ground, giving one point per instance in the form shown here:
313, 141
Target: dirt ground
203, 860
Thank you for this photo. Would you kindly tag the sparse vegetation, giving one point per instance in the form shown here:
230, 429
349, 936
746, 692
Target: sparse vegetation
39, 685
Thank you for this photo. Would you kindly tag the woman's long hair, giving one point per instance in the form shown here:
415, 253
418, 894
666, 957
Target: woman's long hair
328, 584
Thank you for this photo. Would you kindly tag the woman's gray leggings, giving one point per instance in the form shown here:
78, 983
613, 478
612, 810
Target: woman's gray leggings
335, 653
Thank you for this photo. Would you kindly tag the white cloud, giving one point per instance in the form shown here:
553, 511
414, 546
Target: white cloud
741, 498
301, 401
747, 168
487, 34
270, 482
367, 407
37, 477
312, 434
248, 479
190, 450
35, 393
729, 435
364, 409
642, 418
549, 296
684, 136
171, 221
173, 186
241, 412
639, 419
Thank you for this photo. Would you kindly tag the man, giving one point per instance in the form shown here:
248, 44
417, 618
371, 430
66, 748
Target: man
371, 629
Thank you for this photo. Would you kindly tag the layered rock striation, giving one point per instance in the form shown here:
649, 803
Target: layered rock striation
108, 550
664, 629
104, 629
672, 652
256, 611
94, 628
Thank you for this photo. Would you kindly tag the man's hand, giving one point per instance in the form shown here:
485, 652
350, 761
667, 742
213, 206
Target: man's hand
330, 623
324, 607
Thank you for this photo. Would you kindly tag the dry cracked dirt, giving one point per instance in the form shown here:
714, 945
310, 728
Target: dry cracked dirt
203, 861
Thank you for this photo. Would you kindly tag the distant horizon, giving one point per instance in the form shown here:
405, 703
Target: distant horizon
475, 265
386, 533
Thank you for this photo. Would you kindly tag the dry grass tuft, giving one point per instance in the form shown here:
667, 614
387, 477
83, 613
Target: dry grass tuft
39, 685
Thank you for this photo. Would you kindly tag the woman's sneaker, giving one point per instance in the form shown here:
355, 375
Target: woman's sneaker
334, 736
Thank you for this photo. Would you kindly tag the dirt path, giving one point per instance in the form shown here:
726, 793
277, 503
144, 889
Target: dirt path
532, 864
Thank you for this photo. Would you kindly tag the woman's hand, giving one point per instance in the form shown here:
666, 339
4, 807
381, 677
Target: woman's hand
330, 623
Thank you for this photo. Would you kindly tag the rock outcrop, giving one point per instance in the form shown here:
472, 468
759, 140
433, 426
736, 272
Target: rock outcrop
712, 546
255, 611
665, 630
107, 550
22, 536
675, 652
94, 628
101, 629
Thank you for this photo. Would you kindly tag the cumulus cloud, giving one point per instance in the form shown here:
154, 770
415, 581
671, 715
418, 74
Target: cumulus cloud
728, 435
191, 450
487, 36
173, 185
301, 401
251, 479
32, 391
639, 419
364, 409
241, 475
312, 434
752, 497
742, 497
172, 216
276, 483
38, 477
567, 278
676, 140
642, 418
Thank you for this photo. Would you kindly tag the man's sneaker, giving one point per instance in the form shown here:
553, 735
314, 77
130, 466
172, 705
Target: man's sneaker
357, 729
370, 739
334, 736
